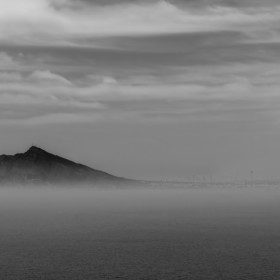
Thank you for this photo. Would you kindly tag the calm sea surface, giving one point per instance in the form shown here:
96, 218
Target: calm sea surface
153, 234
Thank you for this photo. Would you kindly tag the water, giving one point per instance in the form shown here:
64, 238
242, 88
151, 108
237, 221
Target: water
132, 234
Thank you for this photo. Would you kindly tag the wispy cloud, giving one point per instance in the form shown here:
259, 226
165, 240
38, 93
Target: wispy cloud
56, 22
185, 93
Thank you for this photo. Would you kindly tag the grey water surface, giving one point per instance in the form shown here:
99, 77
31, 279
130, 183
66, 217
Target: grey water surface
85, 234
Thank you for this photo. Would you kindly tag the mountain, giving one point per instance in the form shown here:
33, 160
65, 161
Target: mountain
36, 166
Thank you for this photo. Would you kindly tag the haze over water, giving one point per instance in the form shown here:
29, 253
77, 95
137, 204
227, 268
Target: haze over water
213, 233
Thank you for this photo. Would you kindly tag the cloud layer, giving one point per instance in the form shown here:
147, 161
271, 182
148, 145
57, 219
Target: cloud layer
215, 93
138, 60
66, 22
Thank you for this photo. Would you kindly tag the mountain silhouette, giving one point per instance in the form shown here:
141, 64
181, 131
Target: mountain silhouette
37, 166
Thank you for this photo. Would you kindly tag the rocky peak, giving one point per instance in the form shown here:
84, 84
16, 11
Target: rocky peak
42, 166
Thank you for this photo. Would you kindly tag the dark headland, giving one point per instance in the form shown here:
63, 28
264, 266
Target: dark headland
37, 166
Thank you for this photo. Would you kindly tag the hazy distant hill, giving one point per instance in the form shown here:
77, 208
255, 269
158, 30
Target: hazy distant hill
37, 166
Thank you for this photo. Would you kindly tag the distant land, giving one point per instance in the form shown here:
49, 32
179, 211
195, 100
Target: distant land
39, 167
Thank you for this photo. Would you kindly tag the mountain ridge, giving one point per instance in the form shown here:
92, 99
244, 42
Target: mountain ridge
39, 166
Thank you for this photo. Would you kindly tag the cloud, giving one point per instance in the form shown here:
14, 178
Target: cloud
54, 22
47, 77
220, 93
8, 77
56, 118
42, 97
6, 61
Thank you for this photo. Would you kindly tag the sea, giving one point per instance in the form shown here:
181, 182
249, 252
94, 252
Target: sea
202, 233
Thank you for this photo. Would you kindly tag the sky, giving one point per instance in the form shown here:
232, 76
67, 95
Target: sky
144, 89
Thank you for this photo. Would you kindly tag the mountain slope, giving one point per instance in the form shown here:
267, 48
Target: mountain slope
39, 166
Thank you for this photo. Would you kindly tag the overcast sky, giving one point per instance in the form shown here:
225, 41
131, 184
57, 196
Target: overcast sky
144, 89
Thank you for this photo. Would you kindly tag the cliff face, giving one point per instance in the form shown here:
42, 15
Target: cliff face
39, 166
